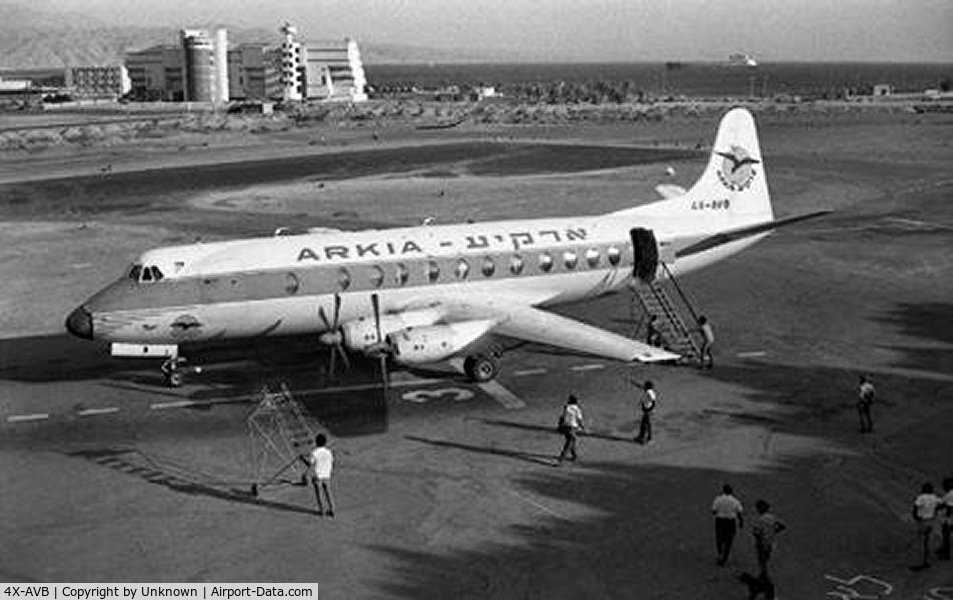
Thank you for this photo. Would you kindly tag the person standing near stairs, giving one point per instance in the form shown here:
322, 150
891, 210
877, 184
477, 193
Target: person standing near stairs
708, 338
322, 462
649, 398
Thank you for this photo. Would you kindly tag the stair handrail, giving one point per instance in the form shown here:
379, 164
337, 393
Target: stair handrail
681, 294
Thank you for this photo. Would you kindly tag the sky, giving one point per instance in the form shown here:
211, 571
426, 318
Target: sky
586, 30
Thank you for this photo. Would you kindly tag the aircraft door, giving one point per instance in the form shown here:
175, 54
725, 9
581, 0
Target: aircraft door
644, 254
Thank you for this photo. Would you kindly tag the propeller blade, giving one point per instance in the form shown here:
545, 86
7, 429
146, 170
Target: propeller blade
324, 319
377, 316
344, 358
385, 377
337, 308
333, 362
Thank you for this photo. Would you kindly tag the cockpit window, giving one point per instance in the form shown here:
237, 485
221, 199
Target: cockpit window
145, 274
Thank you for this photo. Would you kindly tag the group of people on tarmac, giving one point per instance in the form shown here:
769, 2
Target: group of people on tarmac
571, 422
729, 519
930, 510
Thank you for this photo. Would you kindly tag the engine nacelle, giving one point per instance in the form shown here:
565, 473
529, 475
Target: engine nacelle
419, 345
360, 334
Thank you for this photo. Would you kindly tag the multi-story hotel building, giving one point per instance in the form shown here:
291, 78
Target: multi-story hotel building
203, 69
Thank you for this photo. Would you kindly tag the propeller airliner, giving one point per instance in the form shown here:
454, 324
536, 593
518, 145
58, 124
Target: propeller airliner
430, 293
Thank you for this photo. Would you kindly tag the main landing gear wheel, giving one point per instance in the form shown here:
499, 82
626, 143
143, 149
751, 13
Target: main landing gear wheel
481, 368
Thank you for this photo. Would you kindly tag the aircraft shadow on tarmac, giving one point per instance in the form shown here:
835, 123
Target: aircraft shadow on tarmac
350, 404
532, 457
544, 429
179, 478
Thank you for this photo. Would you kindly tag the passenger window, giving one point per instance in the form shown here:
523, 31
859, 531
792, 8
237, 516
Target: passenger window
291, 283
488, 267
377, 276
570, 259
344, 278
516, 264
614, 255
545, 262
463, 269
592, 257
433, 271
401, 274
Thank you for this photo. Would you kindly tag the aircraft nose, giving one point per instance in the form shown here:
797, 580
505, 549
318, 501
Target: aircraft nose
80, 323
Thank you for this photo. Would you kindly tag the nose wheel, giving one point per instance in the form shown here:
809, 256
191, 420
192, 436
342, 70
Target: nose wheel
174, 369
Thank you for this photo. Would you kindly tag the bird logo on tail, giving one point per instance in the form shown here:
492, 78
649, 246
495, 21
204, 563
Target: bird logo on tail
737, 170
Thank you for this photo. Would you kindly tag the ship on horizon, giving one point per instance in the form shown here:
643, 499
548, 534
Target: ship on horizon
741, 59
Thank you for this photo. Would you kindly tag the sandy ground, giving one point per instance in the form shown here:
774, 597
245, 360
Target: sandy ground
443, 490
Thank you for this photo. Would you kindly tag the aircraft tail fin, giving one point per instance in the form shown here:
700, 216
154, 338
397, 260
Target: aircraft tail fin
732, 191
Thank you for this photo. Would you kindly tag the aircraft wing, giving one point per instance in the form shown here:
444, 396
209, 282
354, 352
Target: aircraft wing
516, 317
536, 325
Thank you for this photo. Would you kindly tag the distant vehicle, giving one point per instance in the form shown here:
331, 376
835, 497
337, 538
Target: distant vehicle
428, 293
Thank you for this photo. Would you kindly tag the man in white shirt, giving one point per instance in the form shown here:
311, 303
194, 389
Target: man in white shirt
865, 398
570, 424
947, 519
729, 518
322, 463
708, 339
649, 400
924, 513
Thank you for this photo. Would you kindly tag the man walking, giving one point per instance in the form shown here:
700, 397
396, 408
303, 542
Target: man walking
570, 424
865, 397
946, 526
765, 531
924, 513
649, 400
728, 520
708, 338
322, 462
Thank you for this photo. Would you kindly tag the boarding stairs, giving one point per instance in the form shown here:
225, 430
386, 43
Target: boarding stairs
671, 312
281, 435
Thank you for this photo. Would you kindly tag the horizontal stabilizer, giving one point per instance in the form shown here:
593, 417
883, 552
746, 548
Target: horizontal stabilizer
731, 235
669, 190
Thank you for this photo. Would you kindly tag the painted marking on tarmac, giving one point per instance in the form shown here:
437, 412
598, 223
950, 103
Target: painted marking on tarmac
30, 417
538, 505
754, 354
593, 367
502, 395
88, 412
370, 386
177, 404
528, 372
423, 396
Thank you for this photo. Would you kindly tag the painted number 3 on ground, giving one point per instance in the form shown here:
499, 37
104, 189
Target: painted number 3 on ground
422, 396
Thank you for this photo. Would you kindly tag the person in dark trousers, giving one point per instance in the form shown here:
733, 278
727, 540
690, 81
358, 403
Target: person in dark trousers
322, 463
925, 508
570, 424
729, 519
865, 398
708, 338
946, 523
652, 335
649, 400
765, 531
